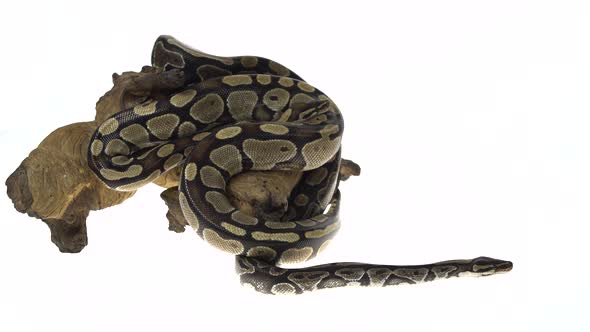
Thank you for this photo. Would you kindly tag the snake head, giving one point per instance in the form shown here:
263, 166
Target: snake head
486, 266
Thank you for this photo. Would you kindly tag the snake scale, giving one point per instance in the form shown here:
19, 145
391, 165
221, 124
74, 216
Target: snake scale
235, 114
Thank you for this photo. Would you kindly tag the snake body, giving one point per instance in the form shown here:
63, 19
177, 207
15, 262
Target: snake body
236, 114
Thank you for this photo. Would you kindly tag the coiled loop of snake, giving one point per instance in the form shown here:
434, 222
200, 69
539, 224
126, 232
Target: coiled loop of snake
239, 114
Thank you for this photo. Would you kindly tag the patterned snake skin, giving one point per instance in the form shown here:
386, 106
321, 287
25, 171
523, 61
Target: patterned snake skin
236, 114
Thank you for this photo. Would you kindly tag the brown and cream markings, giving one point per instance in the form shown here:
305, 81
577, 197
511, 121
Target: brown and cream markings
236, 114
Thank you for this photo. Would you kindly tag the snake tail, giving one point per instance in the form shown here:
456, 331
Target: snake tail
270, 279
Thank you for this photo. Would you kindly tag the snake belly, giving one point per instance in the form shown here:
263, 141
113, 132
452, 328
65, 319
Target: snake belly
237, 114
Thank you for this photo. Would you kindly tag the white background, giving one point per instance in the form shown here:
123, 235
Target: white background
470, 120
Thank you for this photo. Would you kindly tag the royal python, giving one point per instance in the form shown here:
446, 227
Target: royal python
235, 114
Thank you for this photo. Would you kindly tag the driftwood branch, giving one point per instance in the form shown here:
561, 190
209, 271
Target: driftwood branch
55, 184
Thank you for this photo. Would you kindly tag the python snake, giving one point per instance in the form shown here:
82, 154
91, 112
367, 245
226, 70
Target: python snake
236, 114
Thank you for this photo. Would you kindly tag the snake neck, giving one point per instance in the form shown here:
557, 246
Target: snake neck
270, 279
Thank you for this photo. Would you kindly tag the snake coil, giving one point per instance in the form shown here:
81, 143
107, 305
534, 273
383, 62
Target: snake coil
235, 114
